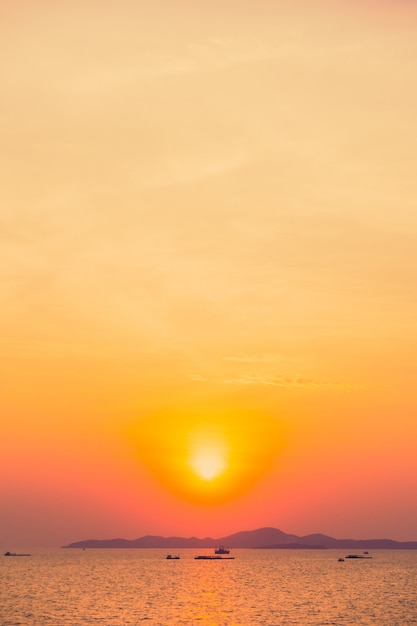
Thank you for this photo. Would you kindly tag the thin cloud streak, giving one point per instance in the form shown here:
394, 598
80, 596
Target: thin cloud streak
277, 381
257, 358
281, 381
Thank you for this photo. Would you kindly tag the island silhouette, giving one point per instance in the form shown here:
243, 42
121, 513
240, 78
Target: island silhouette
261, 538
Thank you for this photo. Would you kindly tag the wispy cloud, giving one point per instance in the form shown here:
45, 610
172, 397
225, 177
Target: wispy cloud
182, 169
198, 378
256, 358
278, 381
284, 381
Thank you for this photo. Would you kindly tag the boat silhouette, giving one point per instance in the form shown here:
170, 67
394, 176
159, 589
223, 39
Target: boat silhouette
211, 557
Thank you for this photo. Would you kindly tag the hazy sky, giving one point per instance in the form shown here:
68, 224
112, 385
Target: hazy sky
208, 247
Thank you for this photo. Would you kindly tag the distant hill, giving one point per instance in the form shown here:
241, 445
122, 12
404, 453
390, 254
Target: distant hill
266, 538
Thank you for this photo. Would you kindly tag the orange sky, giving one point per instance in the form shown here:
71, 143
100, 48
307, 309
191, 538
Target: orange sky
208, 237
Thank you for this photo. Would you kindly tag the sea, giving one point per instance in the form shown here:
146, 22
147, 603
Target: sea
74, 587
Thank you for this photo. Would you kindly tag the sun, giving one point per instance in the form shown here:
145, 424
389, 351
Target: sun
208, 460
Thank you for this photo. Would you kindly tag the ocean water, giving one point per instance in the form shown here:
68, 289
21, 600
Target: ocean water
262, 587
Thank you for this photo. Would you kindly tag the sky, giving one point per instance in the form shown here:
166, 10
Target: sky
208, 268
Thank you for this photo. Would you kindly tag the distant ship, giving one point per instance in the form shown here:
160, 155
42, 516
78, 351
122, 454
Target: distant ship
222, 550
14, 554
210, 557
172, 557
357, 556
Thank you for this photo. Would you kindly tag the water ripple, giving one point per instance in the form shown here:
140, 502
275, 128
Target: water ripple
273, 588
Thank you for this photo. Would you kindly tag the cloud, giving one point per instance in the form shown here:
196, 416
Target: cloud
189, 168
262, 380
198, 378
283, 381
256, 358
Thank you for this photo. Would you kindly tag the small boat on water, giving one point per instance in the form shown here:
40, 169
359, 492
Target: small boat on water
15, 554
210, 557
172, 557
222, 550
357, 556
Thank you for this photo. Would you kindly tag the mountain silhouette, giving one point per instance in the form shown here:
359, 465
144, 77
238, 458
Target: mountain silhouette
266, 538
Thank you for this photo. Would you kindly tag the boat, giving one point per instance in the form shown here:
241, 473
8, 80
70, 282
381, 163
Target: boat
172, 557
15, 554
222, 550
341, 560
210, 557
357, 556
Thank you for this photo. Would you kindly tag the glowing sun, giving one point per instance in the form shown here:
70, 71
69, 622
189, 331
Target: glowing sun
208, 461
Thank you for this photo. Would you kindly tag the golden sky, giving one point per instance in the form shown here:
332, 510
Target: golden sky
208, 233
